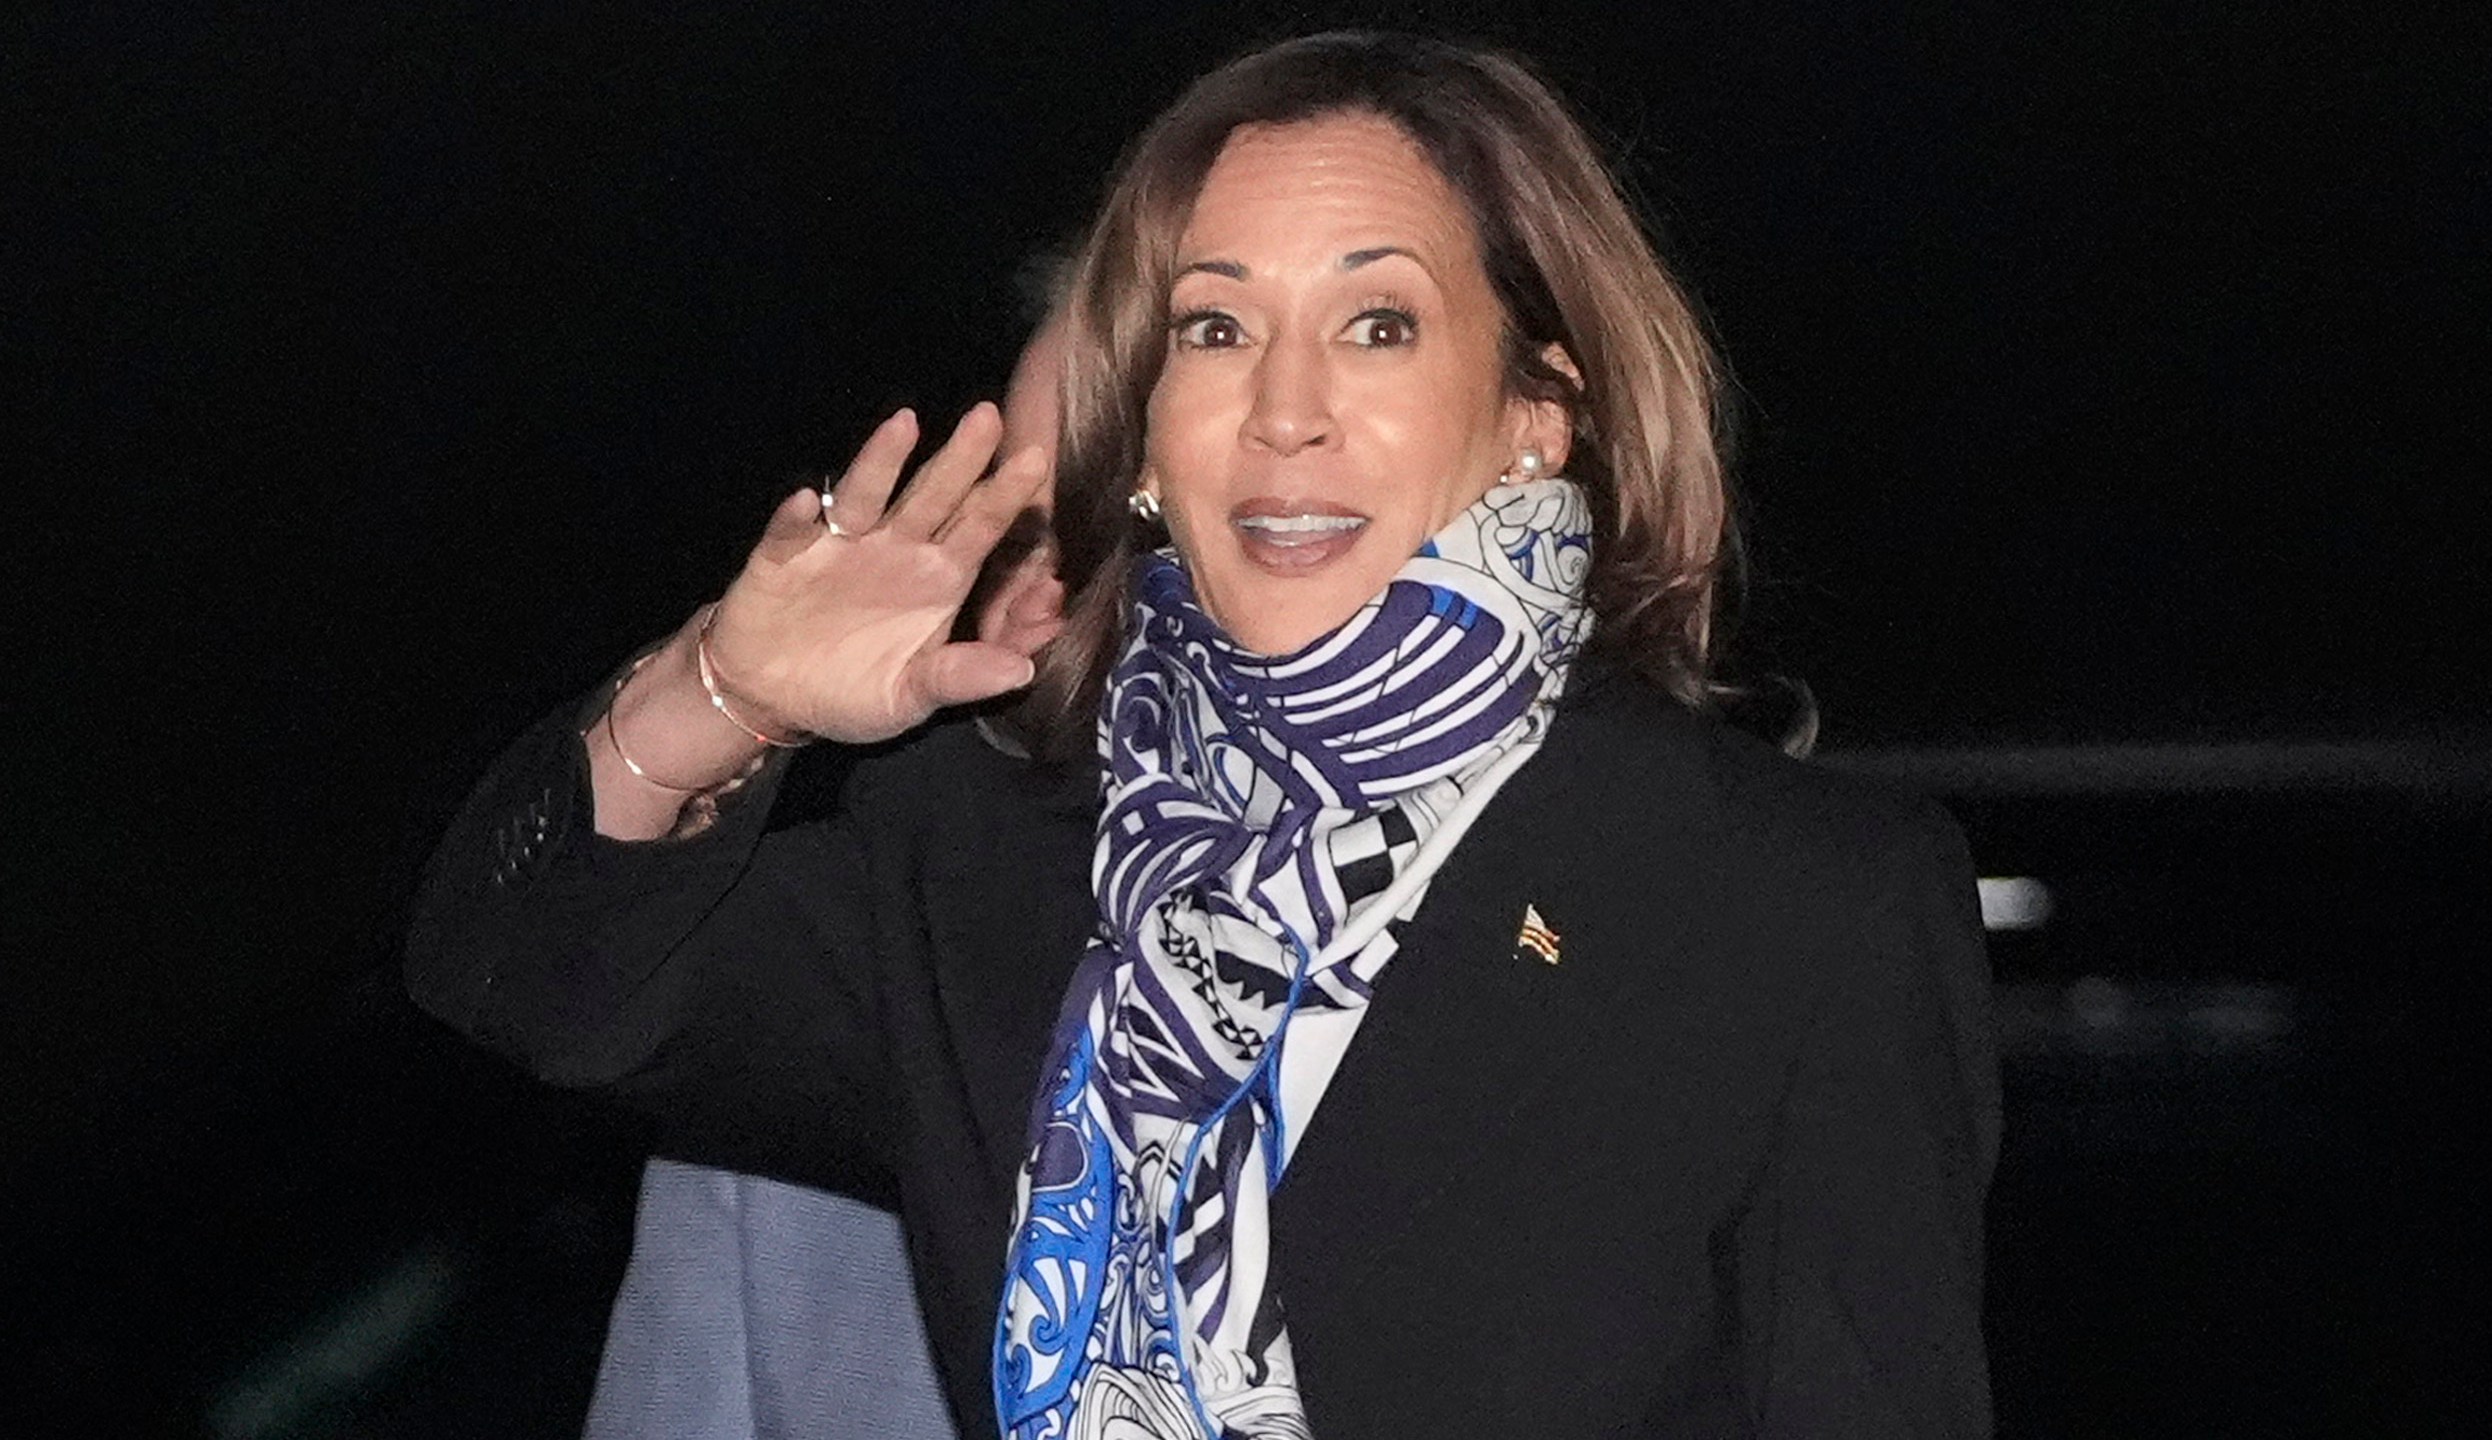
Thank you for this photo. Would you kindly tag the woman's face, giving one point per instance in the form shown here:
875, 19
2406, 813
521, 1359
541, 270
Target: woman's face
1334, 390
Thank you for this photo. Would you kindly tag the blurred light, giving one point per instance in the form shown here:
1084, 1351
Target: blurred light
2014, 902
2099, 1004
2231, 1016
341, 1353
2104, 1019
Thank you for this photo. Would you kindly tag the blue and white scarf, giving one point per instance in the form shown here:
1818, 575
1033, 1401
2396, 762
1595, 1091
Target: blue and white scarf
1267, 820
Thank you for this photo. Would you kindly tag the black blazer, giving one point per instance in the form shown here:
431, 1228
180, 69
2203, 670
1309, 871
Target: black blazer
1718, 1171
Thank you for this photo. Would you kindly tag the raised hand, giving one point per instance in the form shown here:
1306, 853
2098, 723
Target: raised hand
839, 626
841, 629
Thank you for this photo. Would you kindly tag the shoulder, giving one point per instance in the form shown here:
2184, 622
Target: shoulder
948, 783
1787, 874
1804, 889
1637, 760
948, 755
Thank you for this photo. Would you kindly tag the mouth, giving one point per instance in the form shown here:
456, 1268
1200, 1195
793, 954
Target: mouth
1293, 536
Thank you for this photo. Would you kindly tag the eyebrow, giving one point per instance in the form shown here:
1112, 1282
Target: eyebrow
1232, 270
1357, 258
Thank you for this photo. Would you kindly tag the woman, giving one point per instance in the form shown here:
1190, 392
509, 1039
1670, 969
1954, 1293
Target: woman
1367, 995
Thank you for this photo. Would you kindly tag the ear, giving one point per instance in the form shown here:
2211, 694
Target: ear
1546, 425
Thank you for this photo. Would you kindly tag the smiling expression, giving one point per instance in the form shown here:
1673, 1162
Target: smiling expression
1334, 390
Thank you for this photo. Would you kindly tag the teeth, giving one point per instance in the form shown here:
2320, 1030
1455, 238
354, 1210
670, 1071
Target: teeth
1301, 524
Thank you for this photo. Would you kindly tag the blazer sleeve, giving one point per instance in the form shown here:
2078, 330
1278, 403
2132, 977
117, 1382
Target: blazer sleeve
1860, 1263
722, 983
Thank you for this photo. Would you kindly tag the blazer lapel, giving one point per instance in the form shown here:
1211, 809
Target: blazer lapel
1012, 912
1470, 1031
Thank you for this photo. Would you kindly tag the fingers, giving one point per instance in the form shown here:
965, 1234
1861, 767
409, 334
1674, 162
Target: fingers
969, 671
864, 488
793, 526
936, 489
992, 507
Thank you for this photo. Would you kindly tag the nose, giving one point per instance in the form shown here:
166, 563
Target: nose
1292, 401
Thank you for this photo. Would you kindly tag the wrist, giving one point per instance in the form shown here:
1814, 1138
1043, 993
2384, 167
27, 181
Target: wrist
661, 725
756, 723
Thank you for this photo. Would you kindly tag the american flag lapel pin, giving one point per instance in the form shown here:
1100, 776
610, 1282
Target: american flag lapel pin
1536, 941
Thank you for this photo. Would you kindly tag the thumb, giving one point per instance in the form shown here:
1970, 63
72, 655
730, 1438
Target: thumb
969, 671
796, 524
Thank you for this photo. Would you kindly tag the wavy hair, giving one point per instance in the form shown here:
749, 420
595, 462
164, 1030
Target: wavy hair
1570, 266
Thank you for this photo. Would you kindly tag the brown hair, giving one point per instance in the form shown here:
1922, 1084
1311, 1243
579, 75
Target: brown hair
1569, 264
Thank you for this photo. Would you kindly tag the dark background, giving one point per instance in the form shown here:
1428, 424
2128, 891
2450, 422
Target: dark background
2108, 376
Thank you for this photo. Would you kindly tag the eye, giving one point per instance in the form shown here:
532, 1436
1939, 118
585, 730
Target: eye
1208, 330
1384, 327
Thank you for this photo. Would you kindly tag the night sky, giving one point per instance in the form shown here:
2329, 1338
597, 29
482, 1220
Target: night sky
386, 371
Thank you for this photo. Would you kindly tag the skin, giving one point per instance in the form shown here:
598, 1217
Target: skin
1335, 351
1337, 363
1026, 608
847, 636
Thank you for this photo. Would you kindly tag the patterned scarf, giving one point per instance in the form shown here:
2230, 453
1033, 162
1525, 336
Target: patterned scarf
1267, 819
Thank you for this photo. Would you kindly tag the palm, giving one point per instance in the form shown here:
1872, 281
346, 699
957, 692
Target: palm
847, 636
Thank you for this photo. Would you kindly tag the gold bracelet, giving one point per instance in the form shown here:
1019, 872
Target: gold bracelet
615, 739
718, 698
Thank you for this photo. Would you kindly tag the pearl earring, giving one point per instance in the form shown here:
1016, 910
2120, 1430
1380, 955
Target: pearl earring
1527, 465
1144, 505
